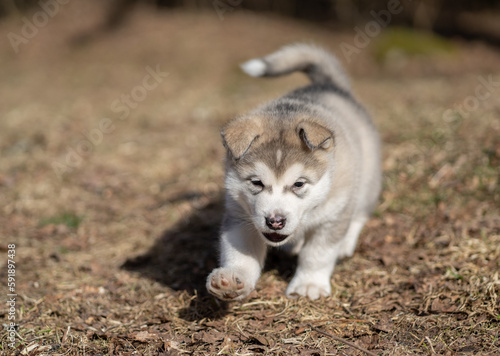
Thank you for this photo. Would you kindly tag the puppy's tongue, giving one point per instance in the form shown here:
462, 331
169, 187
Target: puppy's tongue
274, 237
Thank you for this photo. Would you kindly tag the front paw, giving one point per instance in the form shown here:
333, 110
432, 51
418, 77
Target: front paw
308, 287
227, 284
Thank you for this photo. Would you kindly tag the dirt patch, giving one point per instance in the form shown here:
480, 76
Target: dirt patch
112, 249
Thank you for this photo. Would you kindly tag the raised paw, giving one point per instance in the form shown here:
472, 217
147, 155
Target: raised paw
227, 284
300, 287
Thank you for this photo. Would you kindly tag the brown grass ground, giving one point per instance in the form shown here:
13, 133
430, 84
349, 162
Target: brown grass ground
111, 259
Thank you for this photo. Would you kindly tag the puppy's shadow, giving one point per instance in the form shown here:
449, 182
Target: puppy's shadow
182, 257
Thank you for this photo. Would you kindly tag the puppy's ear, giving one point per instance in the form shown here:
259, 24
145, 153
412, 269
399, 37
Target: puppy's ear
315, 135
239, 134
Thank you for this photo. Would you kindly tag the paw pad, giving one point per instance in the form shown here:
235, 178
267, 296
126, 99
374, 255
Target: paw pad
226, 284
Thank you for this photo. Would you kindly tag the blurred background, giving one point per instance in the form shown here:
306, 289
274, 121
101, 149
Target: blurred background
111, 171
469, 19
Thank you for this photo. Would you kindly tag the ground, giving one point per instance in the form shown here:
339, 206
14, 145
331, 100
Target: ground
111, 183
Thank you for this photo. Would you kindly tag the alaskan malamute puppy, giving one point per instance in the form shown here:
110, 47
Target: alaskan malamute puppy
302, 171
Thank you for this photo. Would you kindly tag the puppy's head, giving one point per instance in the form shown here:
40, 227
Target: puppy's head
277, 171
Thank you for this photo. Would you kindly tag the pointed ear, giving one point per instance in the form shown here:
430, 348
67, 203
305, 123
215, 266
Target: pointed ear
239, 134
315, 135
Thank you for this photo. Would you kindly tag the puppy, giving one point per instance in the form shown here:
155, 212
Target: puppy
302, 171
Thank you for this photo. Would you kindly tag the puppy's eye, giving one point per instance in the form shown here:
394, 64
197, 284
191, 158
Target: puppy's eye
299, 184
257, 183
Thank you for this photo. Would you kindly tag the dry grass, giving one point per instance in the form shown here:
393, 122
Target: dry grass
111, 259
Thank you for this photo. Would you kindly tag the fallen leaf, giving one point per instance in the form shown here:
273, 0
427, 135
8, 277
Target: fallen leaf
385, 325
299, 330
143, 336
441, 306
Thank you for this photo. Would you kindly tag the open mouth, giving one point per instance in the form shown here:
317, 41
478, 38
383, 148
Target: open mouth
274, 237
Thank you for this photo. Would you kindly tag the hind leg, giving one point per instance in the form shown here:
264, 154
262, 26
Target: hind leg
351, 238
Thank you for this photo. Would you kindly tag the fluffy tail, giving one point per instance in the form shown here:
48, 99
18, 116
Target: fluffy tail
320, 66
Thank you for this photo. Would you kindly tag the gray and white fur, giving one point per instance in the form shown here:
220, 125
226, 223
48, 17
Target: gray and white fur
302, 171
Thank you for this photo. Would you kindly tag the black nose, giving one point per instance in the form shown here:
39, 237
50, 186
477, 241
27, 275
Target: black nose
276, 222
